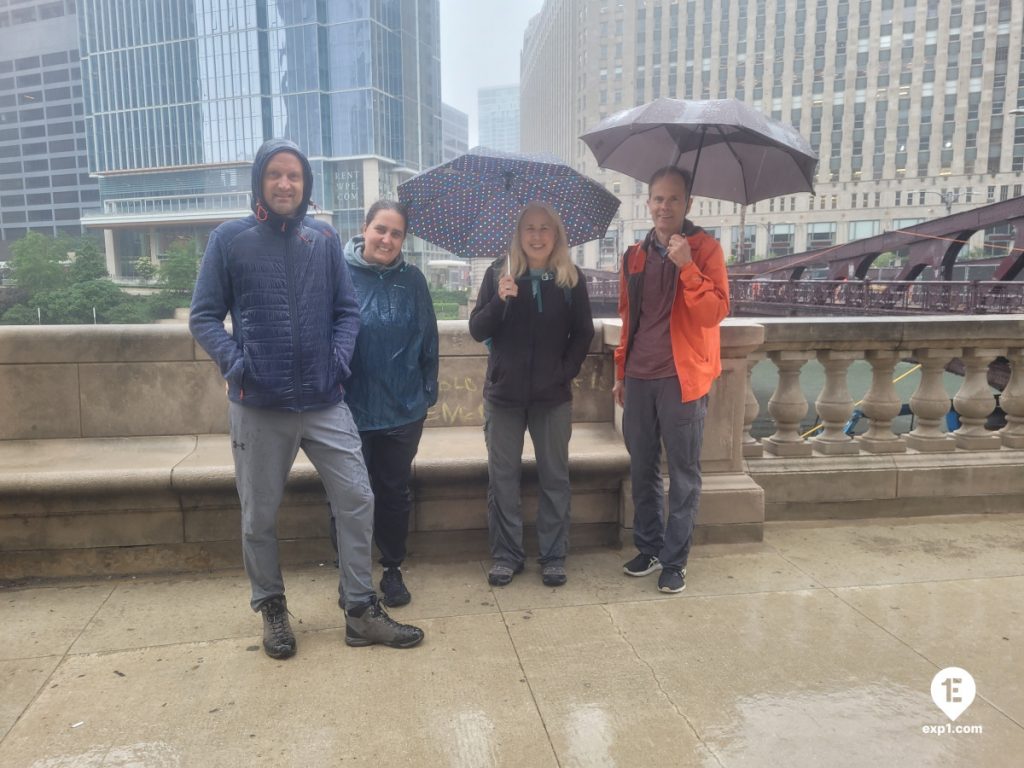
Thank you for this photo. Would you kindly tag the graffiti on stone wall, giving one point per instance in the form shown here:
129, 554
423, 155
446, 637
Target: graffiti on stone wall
460, 389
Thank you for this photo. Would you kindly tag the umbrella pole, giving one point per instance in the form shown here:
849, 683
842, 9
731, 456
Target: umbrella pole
696, 160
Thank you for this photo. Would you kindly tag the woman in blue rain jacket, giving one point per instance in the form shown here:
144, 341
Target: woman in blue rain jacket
394, 377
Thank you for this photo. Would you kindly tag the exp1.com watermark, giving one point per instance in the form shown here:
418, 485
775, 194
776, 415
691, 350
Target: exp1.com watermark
950, 728
953, 691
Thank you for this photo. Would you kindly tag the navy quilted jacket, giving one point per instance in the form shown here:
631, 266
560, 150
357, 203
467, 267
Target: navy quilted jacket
293, 308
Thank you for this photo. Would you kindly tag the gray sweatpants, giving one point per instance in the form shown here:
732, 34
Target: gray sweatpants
654, 412
264, 444
550, 429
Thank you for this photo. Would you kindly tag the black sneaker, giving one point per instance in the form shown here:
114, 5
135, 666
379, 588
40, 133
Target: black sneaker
641, 565
672, 580
393, 588
278, 639
370, 625
553, 575
500, 574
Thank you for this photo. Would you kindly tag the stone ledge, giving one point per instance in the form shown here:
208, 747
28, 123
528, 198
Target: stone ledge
194, 463
81, 506
77, 466
896, 485
95, 344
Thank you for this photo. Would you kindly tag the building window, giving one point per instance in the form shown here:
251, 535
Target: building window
821, 234
861, 229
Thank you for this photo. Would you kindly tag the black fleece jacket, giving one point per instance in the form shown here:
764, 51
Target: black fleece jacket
534, 354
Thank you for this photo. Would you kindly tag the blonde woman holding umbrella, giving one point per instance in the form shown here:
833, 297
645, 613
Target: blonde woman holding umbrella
533, 311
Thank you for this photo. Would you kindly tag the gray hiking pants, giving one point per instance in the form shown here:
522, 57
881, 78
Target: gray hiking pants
264, 444
654, 412
550, 429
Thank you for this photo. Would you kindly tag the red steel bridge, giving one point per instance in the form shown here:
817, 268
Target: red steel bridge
780, 286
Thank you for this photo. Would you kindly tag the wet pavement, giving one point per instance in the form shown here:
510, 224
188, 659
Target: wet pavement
816, 648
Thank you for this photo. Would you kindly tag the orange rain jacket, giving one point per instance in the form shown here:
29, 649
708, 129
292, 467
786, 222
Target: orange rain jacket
701, 302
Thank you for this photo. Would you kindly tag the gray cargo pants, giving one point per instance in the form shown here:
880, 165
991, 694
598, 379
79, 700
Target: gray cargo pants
550, 429
654, 412
264, 444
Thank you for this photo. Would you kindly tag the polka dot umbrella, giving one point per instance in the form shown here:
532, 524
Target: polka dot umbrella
470, 205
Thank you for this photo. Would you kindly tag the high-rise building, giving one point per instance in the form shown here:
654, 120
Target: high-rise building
180, 94
44, 181
454, 132
915, 108
498, 117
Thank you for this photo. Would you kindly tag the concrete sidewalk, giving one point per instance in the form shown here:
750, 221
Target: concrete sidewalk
816, 648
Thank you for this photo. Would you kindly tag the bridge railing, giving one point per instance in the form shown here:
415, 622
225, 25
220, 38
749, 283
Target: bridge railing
933, 342
885, 297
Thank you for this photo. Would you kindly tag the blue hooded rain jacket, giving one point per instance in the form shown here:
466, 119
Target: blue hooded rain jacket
394, 368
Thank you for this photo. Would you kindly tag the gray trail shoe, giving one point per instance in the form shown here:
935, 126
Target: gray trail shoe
278, 639
373, 626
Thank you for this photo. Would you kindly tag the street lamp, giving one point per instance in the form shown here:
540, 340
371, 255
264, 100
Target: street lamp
948, 198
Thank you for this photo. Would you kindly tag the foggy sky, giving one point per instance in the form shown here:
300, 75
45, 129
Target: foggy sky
480, 45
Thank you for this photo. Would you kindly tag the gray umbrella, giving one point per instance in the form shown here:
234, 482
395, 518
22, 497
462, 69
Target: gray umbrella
743, 156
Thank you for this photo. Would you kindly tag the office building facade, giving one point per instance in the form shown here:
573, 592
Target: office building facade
44, 179
179, 95
498, 117
454, 132
916, 107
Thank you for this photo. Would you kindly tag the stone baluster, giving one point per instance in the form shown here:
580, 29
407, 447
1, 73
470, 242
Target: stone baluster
930, 403
834, 404
881, 404
974, 402
788, 406
751, 447
1012, 401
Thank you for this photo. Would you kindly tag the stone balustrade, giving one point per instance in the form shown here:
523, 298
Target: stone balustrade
843, 463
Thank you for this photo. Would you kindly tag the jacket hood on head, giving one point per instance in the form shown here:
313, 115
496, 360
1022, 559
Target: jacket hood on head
354, 257
259, 165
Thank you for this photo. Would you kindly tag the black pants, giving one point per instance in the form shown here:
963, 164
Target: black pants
388, 454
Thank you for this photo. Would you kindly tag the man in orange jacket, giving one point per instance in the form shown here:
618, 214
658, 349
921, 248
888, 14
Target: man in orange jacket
673, 294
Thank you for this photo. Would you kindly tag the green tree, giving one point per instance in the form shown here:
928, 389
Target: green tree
36, 264
133, 309
75, 303
19, 314
145, 268
89, 263
163, 304
178, 271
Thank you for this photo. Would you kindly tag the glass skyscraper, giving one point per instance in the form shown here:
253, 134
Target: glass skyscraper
498, 117
179, 95
44, 181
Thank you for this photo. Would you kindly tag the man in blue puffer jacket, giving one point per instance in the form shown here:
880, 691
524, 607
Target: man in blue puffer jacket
294, 318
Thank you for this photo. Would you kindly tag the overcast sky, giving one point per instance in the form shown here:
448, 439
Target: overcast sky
480, 45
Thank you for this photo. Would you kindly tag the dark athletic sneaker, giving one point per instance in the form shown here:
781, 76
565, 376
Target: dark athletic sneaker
393, 588
553, 575
501, 574
641, 565
672, 580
